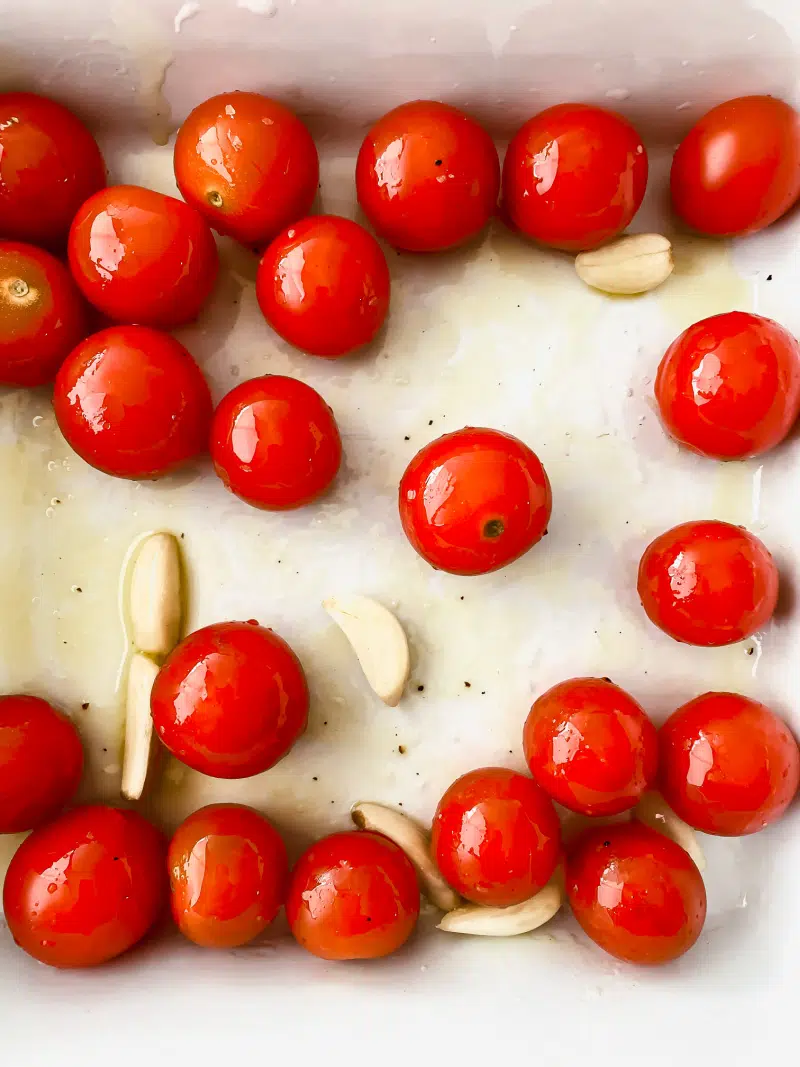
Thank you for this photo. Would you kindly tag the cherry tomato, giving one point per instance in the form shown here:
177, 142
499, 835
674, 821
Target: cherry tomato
427, 176
474, 500
139, 256
230, 700
708, 583
729, 386
132, 402
738, 168
323, 285
42, 315
49, 164
228, 873
85, 888
41, 762
574, 176
248, 164
275, 443
590, 746
636, 894
729, 766
495, 837
353, 896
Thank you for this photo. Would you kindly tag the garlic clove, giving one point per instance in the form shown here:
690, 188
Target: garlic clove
521, 918
138, 726
633, 264
413, 840
154, 602
655, 812
377, 639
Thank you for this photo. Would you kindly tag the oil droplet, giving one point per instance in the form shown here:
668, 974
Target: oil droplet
37, 420
50, 512
52, 465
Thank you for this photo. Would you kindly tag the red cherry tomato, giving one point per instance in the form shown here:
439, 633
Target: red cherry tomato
590, 746
574, 176
228, 873
42, 315
729, 386
708, 583
85, 888
353, 896
729, 766
41, 762
139, 256
49, 164
323, 285
496, 837
474, 500
738, 168
275, 443
636, 894
427, 176
132, 402
248, 164
230, 700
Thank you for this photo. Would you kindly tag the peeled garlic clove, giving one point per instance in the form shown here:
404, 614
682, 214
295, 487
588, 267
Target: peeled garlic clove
138, 726
413, 840
377, 639
507, 922
154, 603
655, 812
630, 265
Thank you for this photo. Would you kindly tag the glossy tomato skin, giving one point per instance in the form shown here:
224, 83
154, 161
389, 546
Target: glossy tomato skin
574, 176
139, 256
49, 164
323, 285
247, 164
427, 176
738, 168
636, 893
275, 443
729, 386
42, 315
708, 583
41, 762
729, 766
132, 402
474, 500
230, 700
496, 837
353, 896
228, 872
85, 888
590, 746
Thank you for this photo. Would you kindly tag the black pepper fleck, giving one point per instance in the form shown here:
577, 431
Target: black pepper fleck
468, 685
406, 438
315, 779
606, 844
437, 162
85, 706
402, 750
420, 688
769, 277
430, 422
750, 651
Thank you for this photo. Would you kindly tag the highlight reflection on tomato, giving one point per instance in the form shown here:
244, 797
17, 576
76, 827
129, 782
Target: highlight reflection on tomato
132, 402
323, 285
85, 888
636, 893
590, 746
139, 256
228, 872
248, 164
729, 765
738, 168
474, 500
275, 443
427, 176
708, 583
230, 700
574, 176
729, 386
495, 837
42, 315
353, 896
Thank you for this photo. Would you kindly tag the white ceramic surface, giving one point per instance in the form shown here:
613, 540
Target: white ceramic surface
501, 334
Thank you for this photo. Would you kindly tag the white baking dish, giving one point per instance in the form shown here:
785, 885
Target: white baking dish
501, 335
